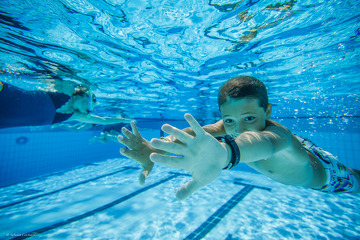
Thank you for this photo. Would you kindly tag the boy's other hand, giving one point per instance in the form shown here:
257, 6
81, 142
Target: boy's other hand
139, 150
202, 155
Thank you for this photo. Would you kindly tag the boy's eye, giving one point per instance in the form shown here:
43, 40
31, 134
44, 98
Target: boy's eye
249, 118
228, 121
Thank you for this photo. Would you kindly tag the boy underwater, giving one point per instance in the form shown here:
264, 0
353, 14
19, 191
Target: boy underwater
250, 137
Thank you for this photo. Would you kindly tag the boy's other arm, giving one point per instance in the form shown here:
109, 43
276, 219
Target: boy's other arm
255, 146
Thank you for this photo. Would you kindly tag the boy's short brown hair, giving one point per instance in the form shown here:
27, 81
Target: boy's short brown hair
244, 87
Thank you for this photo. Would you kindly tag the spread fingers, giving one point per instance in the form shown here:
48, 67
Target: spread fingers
170, 147
177, 133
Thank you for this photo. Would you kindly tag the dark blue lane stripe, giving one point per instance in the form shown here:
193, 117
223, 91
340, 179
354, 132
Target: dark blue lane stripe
65, 188
214, 219
92, 212
237, 181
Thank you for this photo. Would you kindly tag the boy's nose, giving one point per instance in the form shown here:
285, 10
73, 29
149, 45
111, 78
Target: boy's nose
239, 129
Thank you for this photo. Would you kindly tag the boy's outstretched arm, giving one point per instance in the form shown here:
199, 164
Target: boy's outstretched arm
255, 146
202, 155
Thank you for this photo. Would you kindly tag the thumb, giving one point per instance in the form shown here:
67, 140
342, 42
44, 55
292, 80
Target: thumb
143, 176
187, 189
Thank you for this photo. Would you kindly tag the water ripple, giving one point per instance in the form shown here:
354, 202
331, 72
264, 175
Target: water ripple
136, 52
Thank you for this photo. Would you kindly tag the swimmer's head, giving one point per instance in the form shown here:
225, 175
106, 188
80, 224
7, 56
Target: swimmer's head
84, 100
244, 105
244, 87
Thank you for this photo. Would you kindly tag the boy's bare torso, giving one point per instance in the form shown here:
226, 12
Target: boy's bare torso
293, 165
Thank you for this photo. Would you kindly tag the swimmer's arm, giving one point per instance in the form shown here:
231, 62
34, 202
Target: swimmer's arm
255, 146
73, 127
93, 119
61, 86
216, 130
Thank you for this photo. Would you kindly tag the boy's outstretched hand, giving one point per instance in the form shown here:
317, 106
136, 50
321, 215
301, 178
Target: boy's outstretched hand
139, 150
203, 156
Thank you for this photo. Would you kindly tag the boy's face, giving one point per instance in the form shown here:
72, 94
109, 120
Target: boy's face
241, 115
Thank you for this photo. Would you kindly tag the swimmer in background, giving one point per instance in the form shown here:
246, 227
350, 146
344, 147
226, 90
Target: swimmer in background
250, 138
19, 107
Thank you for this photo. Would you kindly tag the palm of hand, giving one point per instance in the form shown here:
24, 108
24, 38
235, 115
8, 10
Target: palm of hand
203, 156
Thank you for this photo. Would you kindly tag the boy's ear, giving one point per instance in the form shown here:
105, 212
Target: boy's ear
268, 111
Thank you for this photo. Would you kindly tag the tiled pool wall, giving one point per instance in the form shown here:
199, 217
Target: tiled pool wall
27, 154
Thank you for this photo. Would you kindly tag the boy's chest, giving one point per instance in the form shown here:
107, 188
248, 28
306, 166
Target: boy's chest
268, 166
280, 167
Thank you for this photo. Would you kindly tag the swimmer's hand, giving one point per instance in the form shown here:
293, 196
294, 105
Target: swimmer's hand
140, 150
203, 156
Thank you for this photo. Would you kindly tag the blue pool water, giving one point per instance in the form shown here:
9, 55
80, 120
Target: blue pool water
154, 61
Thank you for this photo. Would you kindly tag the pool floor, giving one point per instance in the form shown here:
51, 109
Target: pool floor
104, 201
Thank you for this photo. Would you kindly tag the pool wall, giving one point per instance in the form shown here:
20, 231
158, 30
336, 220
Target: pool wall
25, 155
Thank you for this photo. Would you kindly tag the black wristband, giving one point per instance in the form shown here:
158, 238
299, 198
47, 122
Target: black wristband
235, 152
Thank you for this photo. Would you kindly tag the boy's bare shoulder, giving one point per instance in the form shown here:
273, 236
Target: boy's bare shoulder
272, 125
278, 134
